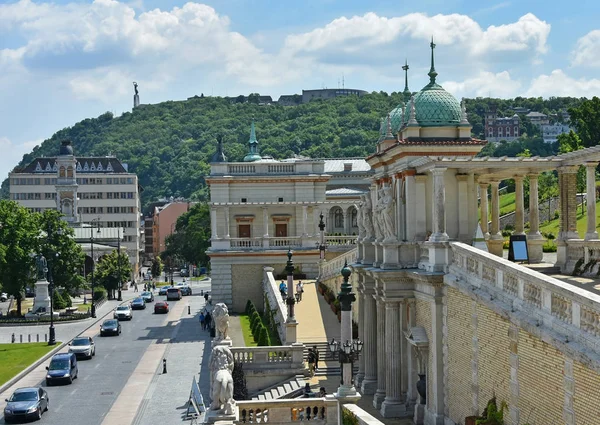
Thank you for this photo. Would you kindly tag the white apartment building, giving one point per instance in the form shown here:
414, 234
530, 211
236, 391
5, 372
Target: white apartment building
87, 190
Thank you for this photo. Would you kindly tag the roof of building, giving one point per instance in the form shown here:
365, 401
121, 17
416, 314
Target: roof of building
345, 191
536, 114
253, 154
337, 165
101, 165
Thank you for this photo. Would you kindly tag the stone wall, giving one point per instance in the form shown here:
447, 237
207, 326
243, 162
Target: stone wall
586, 400
220, 275
423, 318
246, 285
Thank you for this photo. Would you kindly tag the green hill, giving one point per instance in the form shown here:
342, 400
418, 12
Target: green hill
168, 145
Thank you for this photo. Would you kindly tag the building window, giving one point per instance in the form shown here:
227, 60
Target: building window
123, 180
338, 218
109, 210
129, 195
129, 180
99, 195
109, 195
244, 200
109, 180
280, 200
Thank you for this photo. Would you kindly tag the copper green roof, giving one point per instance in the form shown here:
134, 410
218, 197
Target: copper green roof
253, 154
396, 117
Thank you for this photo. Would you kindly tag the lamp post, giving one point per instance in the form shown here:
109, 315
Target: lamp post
52, 332
120, 298
322, 245
290, 323
348, 349
93, 263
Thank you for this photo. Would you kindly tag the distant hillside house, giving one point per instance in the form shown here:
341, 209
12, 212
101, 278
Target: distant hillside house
537, 118
501, 128
289, 100
521, 110
551, 132
308, 95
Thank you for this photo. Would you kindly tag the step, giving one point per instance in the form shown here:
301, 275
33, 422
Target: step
261, 397
287, 388
275, 393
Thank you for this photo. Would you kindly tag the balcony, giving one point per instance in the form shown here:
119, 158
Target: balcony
265, 243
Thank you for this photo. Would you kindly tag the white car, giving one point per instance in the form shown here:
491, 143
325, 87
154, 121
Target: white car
83, 346
3, 297
123, 312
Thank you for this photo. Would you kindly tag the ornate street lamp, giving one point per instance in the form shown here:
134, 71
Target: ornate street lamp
120, 298
322, 245
93, 263
291, 300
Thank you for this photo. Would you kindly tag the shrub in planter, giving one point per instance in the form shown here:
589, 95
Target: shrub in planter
58, 301
337, 306
248, 306
263, 337
254, 317
99, 293
67, 300
549, 247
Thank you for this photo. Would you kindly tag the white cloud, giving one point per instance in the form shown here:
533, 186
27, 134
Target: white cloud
12, 153
560, 84
485, 84
587, 50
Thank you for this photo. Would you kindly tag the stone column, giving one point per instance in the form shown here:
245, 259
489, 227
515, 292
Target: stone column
590, 169
361, 335
316, 213
226, 212
381, 355
519, 207
393, 405
345, 215
463, 212
420, 207
439, 206
369, 383
213, 223
483, 199
495, 228
534, 208
304, 220
265, 212
435, 400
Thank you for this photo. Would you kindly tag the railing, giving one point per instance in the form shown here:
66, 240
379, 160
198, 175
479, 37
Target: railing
241, 169
332, 268
288, 357
564, 308
276, 302
285, 242
341, 240
315, 410
245, 243
281, 168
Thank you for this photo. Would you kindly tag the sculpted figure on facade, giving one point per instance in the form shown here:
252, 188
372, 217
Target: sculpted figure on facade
221, 317
221, 380
359, 219
367, 216
378, 219
387, 214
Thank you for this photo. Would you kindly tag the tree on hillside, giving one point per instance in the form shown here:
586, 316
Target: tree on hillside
65, 256
19, 236
192, 237
107, 271
586, 120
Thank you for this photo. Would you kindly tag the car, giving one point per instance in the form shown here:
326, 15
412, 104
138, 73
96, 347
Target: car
173, 294
123, 312
26, 403
163, 290
184, 273
3, 297
63, 367
30, 292
138, 304
184, 287
110, 327
83, 346
147, 296
161, 307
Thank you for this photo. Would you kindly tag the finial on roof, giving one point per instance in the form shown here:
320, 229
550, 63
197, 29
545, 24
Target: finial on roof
252, 134
432, 73
406, 91
388, 134
463, 109
253, 154
413, 113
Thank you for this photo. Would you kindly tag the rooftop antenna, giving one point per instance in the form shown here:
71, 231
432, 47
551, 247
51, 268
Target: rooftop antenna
343, 85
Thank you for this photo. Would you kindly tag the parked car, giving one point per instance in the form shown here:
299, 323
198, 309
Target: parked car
173, 294
26, 403
147, 296
184, 273
3, 297
163, 290
184, 287
83, 346
110, 327
63, 367
30, 292
123, 312
161, 307
138, 304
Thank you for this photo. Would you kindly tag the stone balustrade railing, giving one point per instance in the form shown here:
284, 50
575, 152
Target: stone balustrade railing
332, 268
584, 256
280, 357
572, 314
275, 412
341, 240
276, 302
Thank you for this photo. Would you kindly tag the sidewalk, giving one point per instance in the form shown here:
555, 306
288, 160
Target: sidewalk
316, 321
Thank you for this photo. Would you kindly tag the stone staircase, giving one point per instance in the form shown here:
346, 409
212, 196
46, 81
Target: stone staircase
328, 363
288, 389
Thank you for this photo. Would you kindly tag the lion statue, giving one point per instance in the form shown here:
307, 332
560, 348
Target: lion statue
221, 318
221, 380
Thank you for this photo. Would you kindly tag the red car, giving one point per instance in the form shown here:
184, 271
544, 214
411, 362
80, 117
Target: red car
161, 307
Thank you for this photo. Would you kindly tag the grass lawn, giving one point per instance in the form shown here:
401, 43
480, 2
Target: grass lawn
26, 304
246, 331
84, 307
16, 357
507, 203
552, 226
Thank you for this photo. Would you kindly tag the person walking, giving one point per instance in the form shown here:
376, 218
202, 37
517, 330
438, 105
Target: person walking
299, 290
283, 289
202, 323
135, 287
207, 320
311, 362
316, 357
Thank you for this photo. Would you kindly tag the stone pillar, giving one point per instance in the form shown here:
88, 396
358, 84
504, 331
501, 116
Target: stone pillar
213, 224
361, 335
316, 213
535, 241
483, 205
519, 206
345, 224
265, 212
420, 207
410, 211
381, 355
369, 383
495, 241
226, 212
590, 169
304, 220
439, 206
435, 400
463, 212
393, 406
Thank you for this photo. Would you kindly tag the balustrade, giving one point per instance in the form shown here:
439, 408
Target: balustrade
489, 274
562, 308
511, 284
341, 240
532, 294
245, 243
241, 169
285, 242
256, 355
317, 410
590, 321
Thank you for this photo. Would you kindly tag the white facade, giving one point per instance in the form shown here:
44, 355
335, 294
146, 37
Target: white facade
550, 133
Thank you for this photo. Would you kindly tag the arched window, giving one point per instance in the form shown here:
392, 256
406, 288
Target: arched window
61, 172
353, 214
338, 218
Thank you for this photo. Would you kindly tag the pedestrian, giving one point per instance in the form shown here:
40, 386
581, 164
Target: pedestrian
311, 362
207, 320
307, 391
316, 357
154, 286
299, 290
135, 287
322, 392
202, 323
283, 289
206, 297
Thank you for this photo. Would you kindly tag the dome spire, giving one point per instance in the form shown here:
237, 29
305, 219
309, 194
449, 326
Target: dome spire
432, 73
253, 154
406, 92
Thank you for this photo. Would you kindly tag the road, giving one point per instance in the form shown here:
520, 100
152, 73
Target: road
102, 379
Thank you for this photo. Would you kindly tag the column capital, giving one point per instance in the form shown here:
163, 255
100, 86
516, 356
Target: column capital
591, 164
421, 178
533, 176
518, 177
569, 169
462, 177
494, 183
483, 183
438, 170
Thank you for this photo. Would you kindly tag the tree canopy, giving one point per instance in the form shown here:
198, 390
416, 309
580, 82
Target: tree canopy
192, 235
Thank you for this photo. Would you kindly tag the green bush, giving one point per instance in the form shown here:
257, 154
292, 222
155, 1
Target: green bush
99, 293
507, 233
254, 317
58, 301
249, 305
263, 337
67, 299
549, 247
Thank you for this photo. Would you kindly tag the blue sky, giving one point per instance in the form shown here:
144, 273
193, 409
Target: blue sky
63, 61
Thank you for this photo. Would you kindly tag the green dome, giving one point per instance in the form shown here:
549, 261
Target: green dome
434, 106
396, 118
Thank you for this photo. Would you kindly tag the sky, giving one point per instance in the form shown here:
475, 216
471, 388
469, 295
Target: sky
66, 60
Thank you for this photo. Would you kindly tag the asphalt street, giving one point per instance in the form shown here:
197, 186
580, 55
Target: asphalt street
101, 379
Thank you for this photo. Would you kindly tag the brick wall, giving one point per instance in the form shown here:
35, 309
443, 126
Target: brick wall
246, 282
460, 333
423, 318
586, 401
